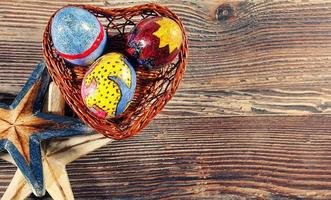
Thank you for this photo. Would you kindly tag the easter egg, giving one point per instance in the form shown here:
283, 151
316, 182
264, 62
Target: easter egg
78, 36
109, 85
155, 42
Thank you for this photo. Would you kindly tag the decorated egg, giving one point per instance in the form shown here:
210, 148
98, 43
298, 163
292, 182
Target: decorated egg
155, 42
109, 85
78, 36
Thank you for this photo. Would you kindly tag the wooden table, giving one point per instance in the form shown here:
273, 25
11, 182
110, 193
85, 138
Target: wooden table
250, 119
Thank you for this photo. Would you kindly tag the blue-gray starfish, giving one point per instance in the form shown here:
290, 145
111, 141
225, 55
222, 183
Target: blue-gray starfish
23, 127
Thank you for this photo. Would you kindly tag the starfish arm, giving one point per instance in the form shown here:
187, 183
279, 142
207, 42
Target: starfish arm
76, 147
69, 121
28, 100
21, 163
2, 144
4, 115
60, 133
57, 180
18, 189
36, 161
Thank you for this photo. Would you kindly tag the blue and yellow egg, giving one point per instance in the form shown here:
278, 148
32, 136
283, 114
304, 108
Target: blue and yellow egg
109, 85
78, 36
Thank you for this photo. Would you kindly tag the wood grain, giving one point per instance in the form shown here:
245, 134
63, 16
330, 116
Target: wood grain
226, 134
270, 57
257, 157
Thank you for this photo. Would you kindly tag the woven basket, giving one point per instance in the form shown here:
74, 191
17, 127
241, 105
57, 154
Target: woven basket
154, 88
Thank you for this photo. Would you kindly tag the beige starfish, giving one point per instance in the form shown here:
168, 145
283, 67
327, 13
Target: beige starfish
56, 155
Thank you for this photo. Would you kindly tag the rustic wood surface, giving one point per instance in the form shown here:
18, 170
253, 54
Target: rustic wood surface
250, 119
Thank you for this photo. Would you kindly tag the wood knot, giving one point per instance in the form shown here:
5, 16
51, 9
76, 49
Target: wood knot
224, 12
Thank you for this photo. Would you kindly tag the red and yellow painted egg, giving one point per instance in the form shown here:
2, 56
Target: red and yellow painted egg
155, 42
109, 85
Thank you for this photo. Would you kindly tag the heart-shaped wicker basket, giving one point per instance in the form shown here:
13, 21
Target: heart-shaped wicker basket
154, 88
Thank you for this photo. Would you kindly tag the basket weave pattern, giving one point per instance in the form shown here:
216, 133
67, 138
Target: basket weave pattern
154, 88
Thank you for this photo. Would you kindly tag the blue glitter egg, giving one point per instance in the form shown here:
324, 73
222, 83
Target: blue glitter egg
78, 36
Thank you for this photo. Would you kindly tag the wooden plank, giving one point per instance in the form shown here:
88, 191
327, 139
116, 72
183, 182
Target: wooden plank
258, 58
269, 57
258, 157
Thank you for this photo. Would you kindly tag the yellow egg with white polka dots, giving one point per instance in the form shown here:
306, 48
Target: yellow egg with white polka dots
109, 85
